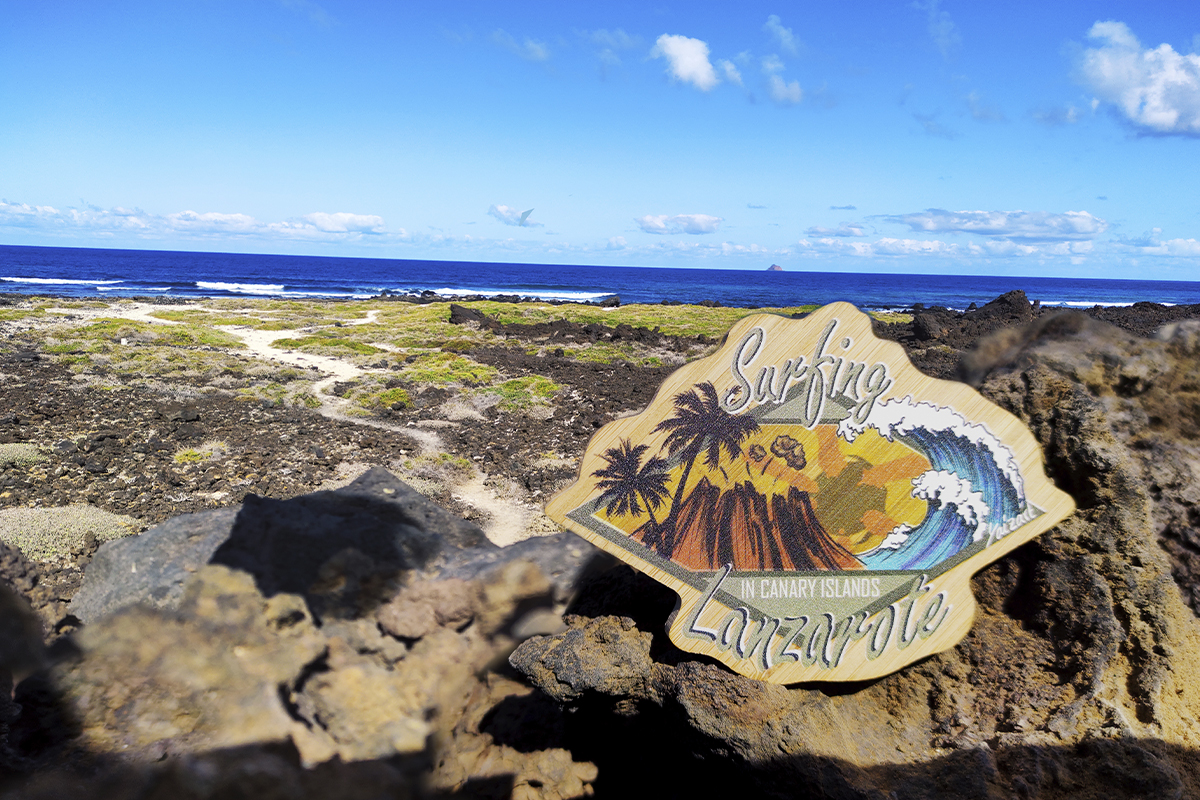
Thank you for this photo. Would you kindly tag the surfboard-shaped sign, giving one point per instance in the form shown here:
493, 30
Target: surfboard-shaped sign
818, 504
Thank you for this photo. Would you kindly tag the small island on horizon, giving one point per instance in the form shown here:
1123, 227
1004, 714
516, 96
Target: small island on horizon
774, 268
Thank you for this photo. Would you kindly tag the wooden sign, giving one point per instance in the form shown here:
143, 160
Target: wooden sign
818, 504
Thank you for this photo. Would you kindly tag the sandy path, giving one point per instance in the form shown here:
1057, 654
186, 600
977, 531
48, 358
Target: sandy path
507, 521
262, 343
138, 312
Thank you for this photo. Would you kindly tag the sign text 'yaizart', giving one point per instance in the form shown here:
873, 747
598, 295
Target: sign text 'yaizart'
818, 504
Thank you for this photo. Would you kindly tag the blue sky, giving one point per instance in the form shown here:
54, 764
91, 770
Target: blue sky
937, 136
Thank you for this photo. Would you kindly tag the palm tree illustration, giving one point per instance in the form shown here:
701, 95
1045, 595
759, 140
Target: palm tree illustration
626, 482
700, 425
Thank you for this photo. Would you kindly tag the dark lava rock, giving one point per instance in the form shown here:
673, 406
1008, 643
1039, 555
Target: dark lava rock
378, 525
153, 567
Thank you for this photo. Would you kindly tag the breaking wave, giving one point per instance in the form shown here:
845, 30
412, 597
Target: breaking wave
242, 288
974, 491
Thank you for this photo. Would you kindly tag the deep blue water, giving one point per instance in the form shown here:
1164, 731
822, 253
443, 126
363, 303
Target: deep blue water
89, 272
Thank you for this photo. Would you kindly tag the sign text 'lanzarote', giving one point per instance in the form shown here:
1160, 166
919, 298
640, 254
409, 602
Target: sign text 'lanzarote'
818, 504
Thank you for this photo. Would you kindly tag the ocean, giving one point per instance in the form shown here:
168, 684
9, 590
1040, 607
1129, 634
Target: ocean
81, 272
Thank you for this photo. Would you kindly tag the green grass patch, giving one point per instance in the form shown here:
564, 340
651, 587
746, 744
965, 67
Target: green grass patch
389, 397
892, 317
212, 450
609, 352
196, 336
82, 304
326, 343
44, 533
445, 368
523, 392
670, 320
20, 454
189, 456
202, 317
10, 314
111, 328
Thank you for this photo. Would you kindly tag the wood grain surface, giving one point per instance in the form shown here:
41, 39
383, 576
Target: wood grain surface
818, 504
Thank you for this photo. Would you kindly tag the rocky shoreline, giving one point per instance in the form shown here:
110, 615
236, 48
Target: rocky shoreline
389, 675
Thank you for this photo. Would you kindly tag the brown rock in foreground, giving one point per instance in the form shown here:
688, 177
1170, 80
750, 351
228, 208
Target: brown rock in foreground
253, 682
1081, 676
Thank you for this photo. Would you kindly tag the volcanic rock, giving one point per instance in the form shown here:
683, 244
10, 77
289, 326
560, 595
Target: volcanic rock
1081, 675
378, 525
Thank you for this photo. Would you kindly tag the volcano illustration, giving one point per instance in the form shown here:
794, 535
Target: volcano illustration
740, 525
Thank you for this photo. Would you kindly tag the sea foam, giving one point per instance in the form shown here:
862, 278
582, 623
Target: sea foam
945, 488
902, 416
242, 288
60, 281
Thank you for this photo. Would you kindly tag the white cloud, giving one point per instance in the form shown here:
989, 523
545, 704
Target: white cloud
982, 111
844, 229
617, 243
932, 127
1182, 247
732, 74
343, 222
890, 247
1017, 226
513, 216
310, 9
213, 222
1152, 244
786, 93
1158, 90
941, 28
91, 220
529, 49
913, 247
687, 60
784, 36
614, 40
834, 247
610, 42
679, 223
730, 248
1058, 115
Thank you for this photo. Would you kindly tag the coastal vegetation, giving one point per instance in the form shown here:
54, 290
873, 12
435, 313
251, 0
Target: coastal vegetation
397, 348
